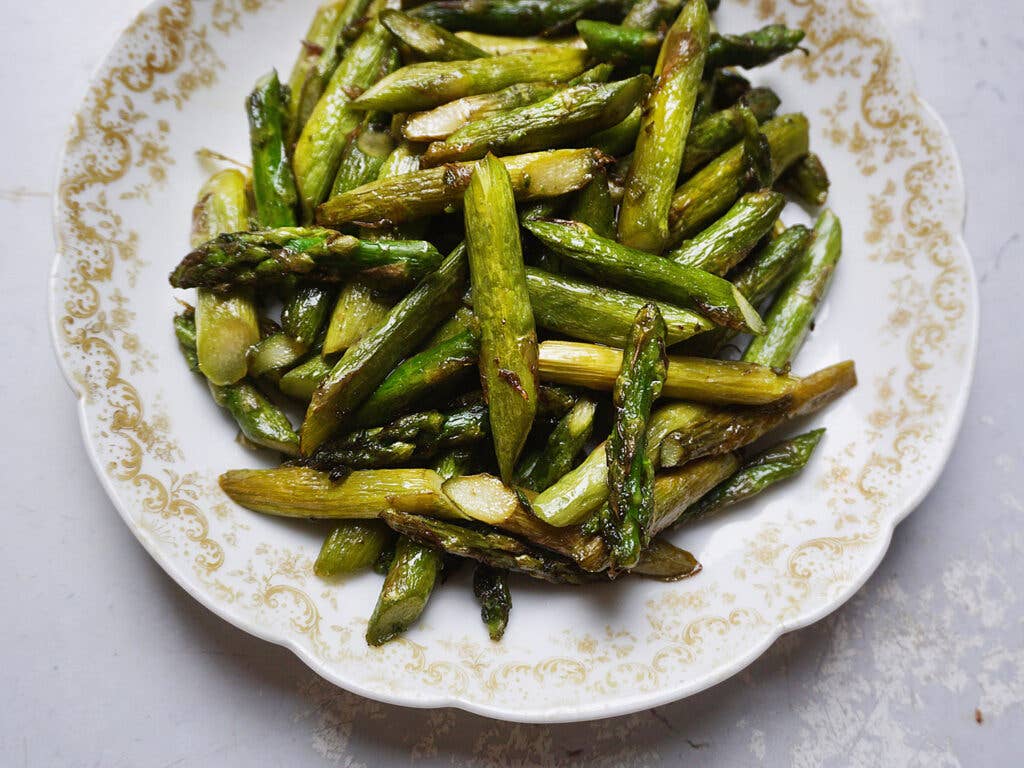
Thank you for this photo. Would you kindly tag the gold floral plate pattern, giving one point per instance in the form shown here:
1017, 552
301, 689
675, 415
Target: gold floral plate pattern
903, 305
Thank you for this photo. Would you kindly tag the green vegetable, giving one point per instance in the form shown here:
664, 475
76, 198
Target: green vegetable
630, 471
352, 546
540, 469
778, 463
508, 339
407, 587
648, 275
268, 257
792, 314
619, 44
558, 120
427, 84
442, 121
644, 213
428, 40
807, 180
490, 585
753, 49
511, 17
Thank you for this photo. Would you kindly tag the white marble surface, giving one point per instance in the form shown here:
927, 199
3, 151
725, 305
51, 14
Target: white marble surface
107, 662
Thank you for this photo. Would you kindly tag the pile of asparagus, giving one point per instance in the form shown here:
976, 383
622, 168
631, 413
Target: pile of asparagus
600, 197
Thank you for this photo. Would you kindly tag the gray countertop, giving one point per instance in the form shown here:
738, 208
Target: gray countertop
107, 662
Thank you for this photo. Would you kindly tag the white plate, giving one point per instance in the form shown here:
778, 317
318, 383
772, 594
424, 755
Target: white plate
903, 306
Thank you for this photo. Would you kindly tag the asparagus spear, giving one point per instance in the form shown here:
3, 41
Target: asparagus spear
713, 189
648, 275
508, 339
753, 49
425, 85
273, 183
558, 120
364, 154
323, 29
436, 190
267, 257
226, 324
511, 17
807, 180
630, 471
362, 495
730, 87
721, 130
326, 63
727, 242
793, 312
758, 279
490, 585
488, 547
681, 432
430, 371
619, 44
442, 121
541, 468
643, 216
778, 463
260, 421
365, 365
462, 320
701, 430
273, 354
406, 589
666, 562
319, 147
352, 546
430, 41
499, 45
598, 314
696, 379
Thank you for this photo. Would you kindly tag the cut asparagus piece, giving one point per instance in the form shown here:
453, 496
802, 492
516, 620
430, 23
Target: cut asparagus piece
268, 257
301, 381
619, 44
359, 308
643, 215
651, 276
594, 206
488, 547
792, 314
442, 121
508, 339
407, 587
490, 586
753, 49
438, 190
273, 183
362, 495
364, 154
807, 180
499, 45
558, 120
365, 365
227, 325
704, 430
328, 19
701, 380
721, 130
425, 85
630, 470
649, 14
712, 190
429, 40
727, 242
666, 562
540, 469
428, 372
780, 462
598, 314
352, 546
